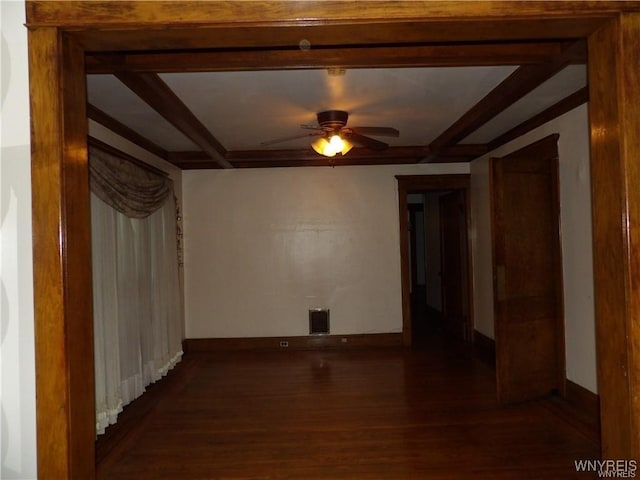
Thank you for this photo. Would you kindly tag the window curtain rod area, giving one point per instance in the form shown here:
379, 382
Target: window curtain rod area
105, 147
124, 184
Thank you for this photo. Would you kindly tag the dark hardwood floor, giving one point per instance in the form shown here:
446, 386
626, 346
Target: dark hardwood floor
387, 413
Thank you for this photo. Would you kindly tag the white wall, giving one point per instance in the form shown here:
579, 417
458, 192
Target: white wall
263, 246
575, 211
17, 363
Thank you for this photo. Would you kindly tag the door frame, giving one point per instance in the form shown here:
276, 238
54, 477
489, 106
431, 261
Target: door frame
419, 184
61, 32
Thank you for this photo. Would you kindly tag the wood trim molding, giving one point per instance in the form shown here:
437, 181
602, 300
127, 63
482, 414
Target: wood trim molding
615, 175
199, 13
484, 348
310, 342
65, 413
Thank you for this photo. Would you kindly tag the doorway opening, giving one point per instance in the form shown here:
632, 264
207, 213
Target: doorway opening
435, 257
438, 261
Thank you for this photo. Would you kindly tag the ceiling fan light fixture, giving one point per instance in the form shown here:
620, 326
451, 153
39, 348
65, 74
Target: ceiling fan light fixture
346, 146
323, 147
336, 143
331, 146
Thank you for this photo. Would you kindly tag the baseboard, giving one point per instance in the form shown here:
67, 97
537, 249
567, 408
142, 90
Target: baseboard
484, 348
310, 342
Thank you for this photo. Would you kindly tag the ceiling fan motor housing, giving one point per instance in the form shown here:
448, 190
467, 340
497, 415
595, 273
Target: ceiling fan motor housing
333, 119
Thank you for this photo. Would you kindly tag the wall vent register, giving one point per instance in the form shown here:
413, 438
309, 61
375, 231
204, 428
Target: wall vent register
319, 321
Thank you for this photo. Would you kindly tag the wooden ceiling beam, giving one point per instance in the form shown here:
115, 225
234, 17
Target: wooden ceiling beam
383, 56
514, 87
378, 33
306, 157
308, 154
318, 161
157, 94
121, 129
563, 106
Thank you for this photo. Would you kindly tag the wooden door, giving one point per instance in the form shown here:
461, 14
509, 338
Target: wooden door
527, 267
453, 259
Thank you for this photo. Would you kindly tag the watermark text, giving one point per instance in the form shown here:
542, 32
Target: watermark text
608, 468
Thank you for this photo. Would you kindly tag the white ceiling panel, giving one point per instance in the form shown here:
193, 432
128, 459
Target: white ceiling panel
243, 109
111, 96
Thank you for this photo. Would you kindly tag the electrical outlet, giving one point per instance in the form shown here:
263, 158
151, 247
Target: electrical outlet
343, 340
284, 343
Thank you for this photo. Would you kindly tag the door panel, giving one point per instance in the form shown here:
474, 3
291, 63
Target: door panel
528, 311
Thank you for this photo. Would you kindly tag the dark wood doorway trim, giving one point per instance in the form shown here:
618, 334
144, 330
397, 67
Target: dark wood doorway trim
418, 184
60, 33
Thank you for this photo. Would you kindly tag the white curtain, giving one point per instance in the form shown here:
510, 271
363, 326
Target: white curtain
137, 304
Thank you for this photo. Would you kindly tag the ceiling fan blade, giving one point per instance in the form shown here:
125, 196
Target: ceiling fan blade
367, 142
378, 131
293, 137
311, 127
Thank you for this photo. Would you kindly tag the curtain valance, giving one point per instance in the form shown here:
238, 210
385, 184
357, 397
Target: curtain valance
131, 190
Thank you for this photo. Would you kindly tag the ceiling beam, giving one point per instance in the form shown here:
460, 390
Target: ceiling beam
563, 106
318, 161
157, 94
299, 157
476, 54
307, 157
514, 87
121, 129
308, 154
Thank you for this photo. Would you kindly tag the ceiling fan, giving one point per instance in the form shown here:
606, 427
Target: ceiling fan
336, 137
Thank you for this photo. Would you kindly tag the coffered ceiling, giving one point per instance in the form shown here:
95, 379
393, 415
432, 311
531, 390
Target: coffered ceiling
227, 108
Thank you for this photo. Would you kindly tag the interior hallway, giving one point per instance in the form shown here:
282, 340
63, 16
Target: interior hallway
386, 413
